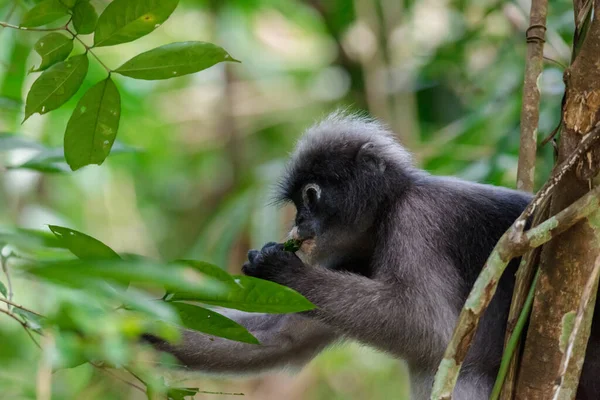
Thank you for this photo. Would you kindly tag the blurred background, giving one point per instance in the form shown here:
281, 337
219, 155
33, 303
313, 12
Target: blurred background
445, 75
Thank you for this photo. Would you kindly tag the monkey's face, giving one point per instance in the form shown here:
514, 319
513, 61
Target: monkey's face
322, 224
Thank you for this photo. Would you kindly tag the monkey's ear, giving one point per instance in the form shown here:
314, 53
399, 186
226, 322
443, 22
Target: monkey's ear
368, 157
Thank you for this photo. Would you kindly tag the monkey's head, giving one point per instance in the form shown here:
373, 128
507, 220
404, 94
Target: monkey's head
341, 176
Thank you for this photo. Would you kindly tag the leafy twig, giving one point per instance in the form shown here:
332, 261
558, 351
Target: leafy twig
20, 307
22, 28
23, 324
119, 378
4, 263
88, 49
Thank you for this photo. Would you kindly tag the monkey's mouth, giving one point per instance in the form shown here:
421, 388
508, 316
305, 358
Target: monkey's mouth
295, 234
307, 243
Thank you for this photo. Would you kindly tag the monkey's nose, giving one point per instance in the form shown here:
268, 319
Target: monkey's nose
294, 233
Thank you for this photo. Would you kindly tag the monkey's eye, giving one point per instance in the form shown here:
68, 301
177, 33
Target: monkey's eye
311, 194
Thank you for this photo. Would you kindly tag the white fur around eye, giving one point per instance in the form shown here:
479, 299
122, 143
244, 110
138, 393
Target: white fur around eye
308, 187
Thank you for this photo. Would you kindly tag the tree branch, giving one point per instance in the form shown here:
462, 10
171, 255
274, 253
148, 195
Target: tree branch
485, 286
530, 112
588, 292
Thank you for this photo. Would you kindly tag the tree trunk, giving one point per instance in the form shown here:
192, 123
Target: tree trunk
566, 262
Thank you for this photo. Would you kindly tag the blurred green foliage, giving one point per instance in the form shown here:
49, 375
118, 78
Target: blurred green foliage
196, 158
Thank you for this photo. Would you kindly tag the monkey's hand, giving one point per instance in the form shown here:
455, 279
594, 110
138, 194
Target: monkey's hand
274, 263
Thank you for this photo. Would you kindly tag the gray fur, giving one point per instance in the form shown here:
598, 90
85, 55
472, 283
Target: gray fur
396, 253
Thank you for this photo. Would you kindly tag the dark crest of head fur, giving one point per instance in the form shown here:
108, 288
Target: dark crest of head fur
339, 147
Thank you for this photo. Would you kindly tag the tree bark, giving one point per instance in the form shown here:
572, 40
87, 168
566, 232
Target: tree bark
566, 263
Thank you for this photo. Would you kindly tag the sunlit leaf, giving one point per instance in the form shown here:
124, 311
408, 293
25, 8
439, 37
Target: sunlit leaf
93, 126
8, 142
45, 12
78, 273
127, 20
56, 85
84, 18
53, 48
210, 322
82, 245
209, 269
172, 60
253, 295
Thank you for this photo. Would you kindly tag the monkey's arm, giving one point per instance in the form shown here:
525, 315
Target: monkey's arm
393, 316
286, 340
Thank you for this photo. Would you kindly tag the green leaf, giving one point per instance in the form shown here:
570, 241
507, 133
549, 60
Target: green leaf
253, 295
79, 273
84, 18
69, 3
53, 160
92, 128
8, 142
175, 59
3, 290
29, 238
181, 393
48, 161
32, 320
212, 323
56, 85
211, 270
53, 48
45, 12
127, 20
82, 245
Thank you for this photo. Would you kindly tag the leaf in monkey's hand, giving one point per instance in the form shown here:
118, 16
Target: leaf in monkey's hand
292, 245
53, 48
251, 295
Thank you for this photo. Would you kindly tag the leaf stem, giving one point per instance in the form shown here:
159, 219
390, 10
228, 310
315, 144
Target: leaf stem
23, 324
22, 28
4, 262
20, 307
88, 49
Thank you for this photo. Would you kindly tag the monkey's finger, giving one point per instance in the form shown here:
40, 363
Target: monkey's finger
252, 254
268, 246
247, 269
